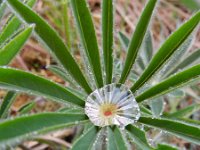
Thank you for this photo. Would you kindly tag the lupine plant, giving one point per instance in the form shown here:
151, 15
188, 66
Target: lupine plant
113, 111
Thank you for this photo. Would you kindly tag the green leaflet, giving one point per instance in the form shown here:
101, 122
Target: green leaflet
61, 73
2, 9
145, 110
167, 49
191, 122
12, 25
171, 83
13, 131
26, 108
185, 112
120, 140
192, 4
124, 40
10, 49
138, 136
157, 107
165, 147
29, 83
88, 37
7, 101
8, 52
51, 39
187, 132
66, 22
111, 143
86, 140
148, 46
137, 39
107, 31
186, 62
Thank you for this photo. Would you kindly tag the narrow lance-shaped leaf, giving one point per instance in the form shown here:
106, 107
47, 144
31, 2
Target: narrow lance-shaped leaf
66, 22
137, 39
145, 110
191, 122
21, 128
17, 80
9, 51
7, 101
186, 62
167, 49
165, 147
26, 108
107, 31
111, 143
148, 46
88, 37
192, 4
125, 42
61, 73
51, 39
185, 112
2, 9
86, 140
138, 137
12, 25
122, 143
187, 132
176, 58
157, 106
171, 83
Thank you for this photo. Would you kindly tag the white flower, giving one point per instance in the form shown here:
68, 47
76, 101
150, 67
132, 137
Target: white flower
114, 104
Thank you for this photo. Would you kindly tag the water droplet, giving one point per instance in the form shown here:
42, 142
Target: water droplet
114, 104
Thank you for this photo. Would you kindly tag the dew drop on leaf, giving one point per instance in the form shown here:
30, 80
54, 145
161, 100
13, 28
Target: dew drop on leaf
114, 104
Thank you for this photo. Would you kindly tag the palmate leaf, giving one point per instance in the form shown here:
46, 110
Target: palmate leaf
50, 38
138, 137
10, 49
137, 39
167, 49
88, 37
107, 31
17, 80
7, 101
25, 127
86, 140
171, 83
12, 25
180, 129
